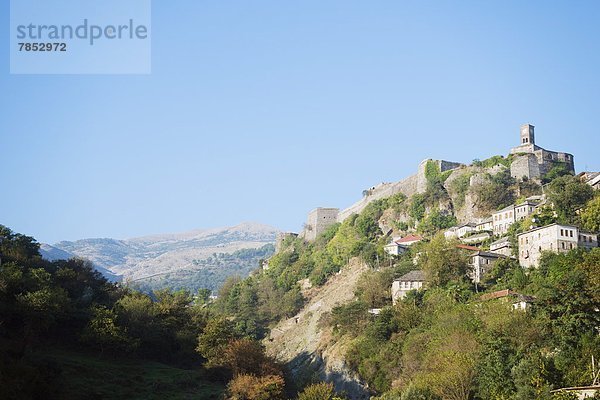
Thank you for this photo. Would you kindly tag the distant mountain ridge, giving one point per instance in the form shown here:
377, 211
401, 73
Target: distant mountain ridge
143, 257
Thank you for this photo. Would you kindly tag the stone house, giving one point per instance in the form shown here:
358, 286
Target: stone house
459, 231
594, 182
503, 219
476, 237
556, 238
501, 246
414, 280
520, 302
481, 262
485, 224
399, 246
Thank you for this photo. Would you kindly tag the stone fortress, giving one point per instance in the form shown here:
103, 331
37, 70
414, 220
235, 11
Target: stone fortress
532, 161
321, 218
529, 160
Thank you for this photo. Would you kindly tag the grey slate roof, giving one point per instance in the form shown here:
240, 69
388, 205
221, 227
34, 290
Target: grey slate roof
413, 276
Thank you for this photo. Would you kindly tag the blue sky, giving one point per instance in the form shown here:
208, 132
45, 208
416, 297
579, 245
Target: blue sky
262, 110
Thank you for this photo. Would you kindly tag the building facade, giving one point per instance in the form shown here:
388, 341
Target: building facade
501, 246
556, 238
414, 280
503, 219
481, 262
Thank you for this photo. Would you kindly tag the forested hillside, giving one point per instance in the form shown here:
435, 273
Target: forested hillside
448, 341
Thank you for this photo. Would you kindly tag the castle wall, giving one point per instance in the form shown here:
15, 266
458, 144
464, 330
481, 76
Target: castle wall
413, 184
547, 160
525, 165
318, 221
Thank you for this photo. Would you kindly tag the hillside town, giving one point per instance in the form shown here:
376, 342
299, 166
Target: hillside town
485, 239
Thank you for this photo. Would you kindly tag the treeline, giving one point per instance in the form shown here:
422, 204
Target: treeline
68, 305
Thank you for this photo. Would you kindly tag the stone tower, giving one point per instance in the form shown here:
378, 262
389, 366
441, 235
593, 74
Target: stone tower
527, 134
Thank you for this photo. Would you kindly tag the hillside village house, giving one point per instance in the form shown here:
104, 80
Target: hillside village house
398, 246
503, 219
595, 182
486, 224
555, 237
501, 246
519, 301
481, 262
476, 238
413, 280
459, 231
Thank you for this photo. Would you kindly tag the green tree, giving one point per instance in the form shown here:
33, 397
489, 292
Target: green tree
568, 195
214, 339
103, 331
590, 215
442, 261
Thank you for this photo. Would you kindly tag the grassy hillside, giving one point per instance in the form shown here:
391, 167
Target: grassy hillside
81, 375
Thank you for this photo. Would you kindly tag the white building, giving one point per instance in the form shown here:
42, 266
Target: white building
503, 219
459, 231
481, 262
398, 246
555, 237
476, 238
413, 280
486, 224
502, 246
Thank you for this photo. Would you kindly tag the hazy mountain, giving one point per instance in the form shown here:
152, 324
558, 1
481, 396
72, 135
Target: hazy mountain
52, 253
211, 254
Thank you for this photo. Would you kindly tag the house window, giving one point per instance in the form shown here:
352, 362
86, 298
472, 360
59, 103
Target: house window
563, 245
562, 233
571, 233
571, 246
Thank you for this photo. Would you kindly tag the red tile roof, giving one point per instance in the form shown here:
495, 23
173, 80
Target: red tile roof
409, 238
466, 247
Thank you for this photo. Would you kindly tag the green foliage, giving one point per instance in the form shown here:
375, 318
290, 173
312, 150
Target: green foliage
435, 221
251, 387
459, 187
497, 192
493, 161
318, 391
416, 209
590, 215
442, 261
435, 190
568, 195
49, 305
558, 170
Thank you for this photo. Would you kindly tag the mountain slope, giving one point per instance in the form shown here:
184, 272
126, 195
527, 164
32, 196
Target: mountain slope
150, 257
305, 346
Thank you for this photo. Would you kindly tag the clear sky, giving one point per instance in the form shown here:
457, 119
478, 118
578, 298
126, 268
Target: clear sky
263, 110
